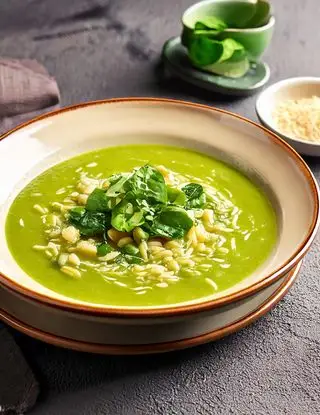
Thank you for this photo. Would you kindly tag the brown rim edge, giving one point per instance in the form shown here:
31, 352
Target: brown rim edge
157, 347
192, 308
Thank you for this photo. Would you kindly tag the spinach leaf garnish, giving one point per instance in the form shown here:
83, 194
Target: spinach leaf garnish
196, 198
172, 222
117, 185
138, 199
127, 215
147, 183
98, 201
104, 249
89, 223
176, 196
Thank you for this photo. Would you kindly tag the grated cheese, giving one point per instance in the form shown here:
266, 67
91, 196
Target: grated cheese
299, 118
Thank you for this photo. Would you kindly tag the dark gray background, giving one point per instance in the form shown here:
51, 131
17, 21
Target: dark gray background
101, 49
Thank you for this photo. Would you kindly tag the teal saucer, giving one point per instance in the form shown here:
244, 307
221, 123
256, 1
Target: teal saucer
177, 63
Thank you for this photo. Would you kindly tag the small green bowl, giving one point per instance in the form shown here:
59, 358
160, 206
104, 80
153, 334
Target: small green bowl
241, 12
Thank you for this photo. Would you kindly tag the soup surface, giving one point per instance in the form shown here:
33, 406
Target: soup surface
140, 225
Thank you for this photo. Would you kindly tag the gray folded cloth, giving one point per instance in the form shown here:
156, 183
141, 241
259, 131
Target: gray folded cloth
19, 388
26, 91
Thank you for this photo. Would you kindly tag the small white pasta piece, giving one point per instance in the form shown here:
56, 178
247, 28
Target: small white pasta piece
223, 250
115, 235
51, 220
72, 272
73, 259
208, 216
21, 222
139, 235
57, 206
200, 233
63, 259
109, 257
154, 243
156, 269
48, 253
154, 249
186, 261
163, 254
54, 233
70, 234
201, 247
173, 265
39, 209
124, 241
82, 199
212, 283
54, 248
39, 247
143, 248
87, 249
162, 285
172, 245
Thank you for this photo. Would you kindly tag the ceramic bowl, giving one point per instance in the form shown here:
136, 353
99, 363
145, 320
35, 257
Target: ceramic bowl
292, 88
271, 163
255, 40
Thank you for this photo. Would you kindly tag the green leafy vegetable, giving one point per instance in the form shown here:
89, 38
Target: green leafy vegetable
196, 198
209, 25
176, 196
89, 223
98, 201
117, 185
131, 249
104, 249
173, 222
127, 214
204, 51
147, 183
132, 259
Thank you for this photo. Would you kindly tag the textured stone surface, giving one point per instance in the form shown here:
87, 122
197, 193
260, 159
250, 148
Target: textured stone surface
98, 49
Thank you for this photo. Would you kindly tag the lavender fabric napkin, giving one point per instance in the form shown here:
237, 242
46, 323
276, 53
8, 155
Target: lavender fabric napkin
26, 91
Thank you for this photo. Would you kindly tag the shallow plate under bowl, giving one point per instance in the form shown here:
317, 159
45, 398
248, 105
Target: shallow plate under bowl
232, 326
177, 63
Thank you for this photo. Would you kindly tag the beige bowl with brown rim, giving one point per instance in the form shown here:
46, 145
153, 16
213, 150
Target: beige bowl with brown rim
250, 148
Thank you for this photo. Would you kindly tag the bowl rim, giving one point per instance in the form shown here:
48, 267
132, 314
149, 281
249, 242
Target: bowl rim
199, 4
176, 310
270, 90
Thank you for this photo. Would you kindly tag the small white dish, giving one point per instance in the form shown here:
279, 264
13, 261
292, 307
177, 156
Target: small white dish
292, 88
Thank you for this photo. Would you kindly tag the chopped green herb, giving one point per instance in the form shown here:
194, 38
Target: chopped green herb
173, 222
127, 214
147, 184
98, 201
89, 223
196, 198
104, 249
176, 196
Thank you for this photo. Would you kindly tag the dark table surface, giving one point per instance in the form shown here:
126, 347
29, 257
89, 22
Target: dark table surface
100, 49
